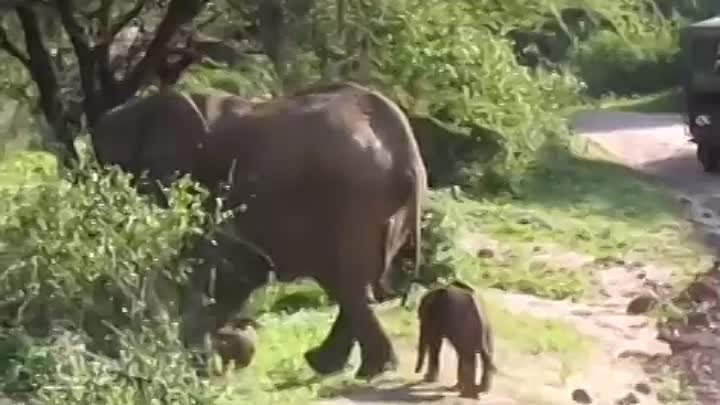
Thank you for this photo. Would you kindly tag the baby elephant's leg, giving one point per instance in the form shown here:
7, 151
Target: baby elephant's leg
467, 363
488, 371
486, 355
435, 344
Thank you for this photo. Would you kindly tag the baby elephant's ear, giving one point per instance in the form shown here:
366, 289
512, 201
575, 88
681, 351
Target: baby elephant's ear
460, 284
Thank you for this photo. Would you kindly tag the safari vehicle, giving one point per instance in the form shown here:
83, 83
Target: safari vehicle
700, 44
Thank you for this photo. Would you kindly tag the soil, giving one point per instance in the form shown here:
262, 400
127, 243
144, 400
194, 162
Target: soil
656, 144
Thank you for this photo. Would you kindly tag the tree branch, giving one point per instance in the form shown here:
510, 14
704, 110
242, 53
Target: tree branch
103, 15
125, 19
205, 23
92, 104
12, 50
45, 77
169, 72
179, 12
101, 53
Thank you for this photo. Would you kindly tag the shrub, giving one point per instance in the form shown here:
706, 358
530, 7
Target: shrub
80, 257
65, 245
151, 367
638, 63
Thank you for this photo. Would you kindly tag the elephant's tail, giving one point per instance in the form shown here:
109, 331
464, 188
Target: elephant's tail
405, 226
415, 215
196, 109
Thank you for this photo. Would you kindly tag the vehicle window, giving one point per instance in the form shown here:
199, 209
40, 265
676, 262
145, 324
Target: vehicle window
704, 55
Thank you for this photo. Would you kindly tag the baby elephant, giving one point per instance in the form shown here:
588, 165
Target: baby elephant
451, 312
236, 343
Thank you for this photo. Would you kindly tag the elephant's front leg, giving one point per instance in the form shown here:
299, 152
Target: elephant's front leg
333, 353
195, 327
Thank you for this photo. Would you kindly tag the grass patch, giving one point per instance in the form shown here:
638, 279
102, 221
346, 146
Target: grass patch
27, 168
577, 202
666, 101
519, 338
279, 373
518, 333
604, 209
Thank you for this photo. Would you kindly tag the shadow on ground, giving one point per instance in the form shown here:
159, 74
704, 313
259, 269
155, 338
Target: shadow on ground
597, 120
407, 392
682, 172
563, 180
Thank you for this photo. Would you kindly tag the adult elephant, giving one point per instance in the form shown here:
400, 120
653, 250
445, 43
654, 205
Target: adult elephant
330, 180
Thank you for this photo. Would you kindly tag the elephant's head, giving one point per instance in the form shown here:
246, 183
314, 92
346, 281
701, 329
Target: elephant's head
228, 269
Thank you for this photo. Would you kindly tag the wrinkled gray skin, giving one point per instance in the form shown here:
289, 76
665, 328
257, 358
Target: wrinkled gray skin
332, 179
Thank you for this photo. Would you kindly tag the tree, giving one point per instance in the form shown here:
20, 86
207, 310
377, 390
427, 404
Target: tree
88, 56
110, 71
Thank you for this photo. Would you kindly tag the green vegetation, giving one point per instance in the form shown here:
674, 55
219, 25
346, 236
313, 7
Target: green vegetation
666, 101
68, 241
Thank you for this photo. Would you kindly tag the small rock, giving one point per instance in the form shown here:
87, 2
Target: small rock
523, 221
663, 398
641, 275
629, 399
643, 388
641, 304
685, 199
699, 292
698, 320
609, 261
581, 396
485, 253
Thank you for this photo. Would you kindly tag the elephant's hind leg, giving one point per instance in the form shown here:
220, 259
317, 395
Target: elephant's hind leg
353, 260
333, 353
377, 351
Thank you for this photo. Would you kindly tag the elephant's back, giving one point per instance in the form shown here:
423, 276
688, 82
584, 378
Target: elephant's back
318, 136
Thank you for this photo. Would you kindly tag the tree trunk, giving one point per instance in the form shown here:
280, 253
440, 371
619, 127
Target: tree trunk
43, 73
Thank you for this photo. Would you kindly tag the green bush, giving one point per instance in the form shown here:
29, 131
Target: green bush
64, 245
81, 258
639, 64
460, 69
255, 80
150, 367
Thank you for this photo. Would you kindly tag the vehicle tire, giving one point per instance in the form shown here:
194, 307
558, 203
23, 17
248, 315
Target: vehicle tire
709, 157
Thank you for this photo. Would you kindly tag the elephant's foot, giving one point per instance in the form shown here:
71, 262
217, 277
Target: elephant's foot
372, 368
431, 377
469, 392
484, 385
323, 363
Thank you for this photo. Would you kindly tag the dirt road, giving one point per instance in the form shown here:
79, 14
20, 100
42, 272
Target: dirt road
652, 143
656, 144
